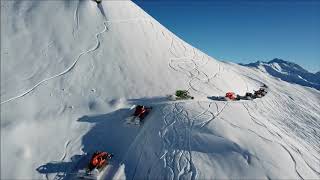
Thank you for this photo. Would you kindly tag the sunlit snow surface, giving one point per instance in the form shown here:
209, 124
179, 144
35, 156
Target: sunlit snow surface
70, 71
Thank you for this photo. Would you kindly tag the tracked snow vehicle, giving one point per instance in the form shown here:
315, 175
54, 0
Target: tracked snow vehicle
98, 162
248, 96
139, 115
260, 93
181, 95
231, 96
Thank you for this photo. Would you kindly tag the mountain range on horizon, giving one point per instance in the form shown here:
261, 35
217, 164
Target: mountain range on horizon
74, 72
288, 71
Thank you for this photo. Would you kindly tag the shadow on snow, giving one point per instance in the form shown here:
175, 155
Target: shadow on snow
109, 133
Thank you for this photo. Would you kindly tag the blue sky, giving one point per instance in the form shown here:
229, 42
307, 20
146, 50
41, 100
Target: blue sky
245, 31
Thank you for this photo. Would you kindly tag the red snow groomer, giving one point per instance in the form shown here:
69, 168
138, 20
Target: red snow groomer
231, 96
99, 160
141, 111
139, 114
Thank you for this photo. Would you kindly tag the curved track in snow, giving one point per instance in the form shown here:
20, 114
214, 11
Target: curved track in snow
77, 59
285, 144
193, 71
281, 142
63, 72
176, 143
177, 130
76, 20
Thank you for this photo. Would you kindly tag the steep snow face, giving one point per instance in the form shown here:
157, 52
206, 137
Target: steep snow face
71, 70
288, 71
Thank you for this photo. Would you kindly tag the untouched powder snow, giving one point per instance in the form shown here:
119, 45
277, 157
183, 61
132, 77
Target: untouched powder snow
71, 70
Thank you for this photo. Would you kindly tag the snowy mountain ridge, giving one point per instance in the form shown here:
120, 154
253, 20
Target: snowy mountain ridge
66, 93
288, 71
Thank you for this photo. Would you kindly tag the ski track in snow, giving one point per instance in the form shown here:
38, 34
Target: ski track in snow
65, 150
62, 175
77, 59
177, 162
62, 73
283, 144
177, 132
167, 157
76, 20
175, 159
140, 156
194, 74
290, 146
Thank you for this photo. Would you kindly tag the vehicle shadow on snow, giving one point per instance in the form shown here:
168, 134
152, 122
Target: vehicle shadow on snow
60, 168
109, 133
149, 101
217, 98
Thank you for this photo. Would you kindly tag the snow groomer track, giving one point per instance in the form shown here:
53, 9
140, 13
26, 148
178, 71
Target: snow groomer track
67, 90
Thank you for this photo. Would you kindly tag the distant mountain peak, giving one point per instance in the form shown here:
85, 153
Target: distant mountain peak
288, 71
277, 60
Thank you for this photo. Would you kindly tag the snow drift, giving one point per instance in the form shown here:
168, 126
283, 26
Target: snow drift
71, 70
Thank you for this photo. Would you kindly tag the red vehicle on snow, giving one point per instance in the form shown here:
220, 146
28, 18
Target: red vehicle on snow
138, 115
141, 111
99, 160
231, 96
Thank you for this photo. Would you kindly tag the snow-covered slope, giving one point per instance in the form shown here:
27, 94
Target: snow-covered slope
288, 71
71, 70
